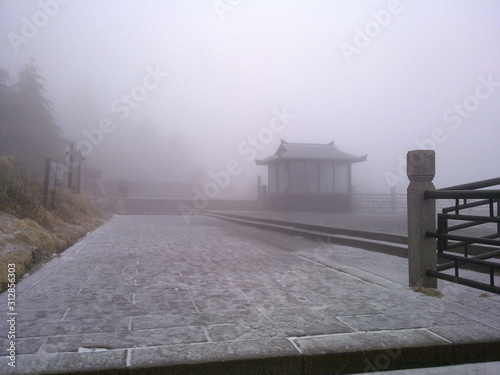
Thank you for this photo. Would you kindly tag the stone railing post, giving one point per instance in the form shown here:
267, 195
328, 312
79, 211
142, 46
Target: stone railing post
421, 218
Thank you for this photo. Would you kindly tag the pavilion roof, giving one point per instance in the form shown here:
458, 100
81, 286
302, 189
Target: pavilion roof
310, 152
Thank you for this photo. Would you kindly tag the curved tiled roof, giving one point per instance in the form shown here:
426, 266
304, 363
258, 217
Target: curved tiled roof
310, 151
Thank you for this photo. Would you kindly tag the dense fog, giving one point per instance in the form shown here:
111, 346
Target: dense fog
175, 90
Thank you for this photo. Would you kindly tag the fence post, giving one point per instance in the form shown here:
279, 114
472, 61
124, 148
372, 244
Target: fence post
422, 256
46, 183
79, 172
498, 214
70, 164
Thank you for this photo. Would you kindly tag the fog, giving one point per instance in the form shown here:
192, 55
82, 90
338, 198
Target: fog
172, 90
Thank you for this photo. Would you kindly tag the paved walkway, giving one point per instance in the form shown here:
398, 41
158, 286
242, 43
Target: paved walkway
213, 297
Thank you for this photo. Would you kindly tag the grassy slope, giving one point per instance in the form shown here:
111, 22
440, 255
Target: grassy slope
31, 234
29, 244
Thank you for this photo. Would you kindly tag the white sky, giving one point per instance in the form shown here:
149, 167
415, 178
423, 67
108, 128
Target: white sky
229, 71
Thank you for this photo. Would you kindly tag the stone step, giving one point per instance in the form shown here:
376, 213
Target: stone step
155, 206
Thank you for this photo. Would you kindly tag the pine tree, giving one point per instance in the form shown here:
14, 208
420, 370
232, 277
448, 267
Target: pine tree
7, 116
35, 135
4, 77
36, 109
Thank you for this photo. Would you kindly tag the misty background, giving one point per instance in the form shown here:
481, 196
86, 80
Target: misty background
221, 70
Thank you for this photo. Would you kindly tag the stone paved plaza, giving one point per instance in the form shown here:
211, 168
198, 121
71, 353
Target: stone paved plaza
154, 292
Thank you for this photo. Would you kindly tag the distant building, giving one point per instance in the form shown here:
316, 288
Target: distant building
309, 177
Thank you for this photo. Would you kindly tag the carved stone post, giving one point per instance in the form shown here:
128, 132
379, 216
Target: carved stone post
421, 218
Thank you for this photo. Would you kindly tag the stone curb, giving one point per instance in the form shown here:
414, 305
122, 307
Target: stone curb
365, 242
348, 353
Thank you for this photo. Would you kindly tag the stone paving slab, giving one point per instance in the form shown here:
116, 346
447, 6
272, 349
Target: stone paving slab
152, 294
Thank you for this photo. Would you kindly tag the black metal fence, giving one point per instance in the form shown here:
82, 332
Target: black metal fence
463, 225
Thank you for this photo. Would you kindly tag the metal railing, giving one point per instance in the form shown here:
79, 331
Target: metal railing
454, 245
388, 202
393, 202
